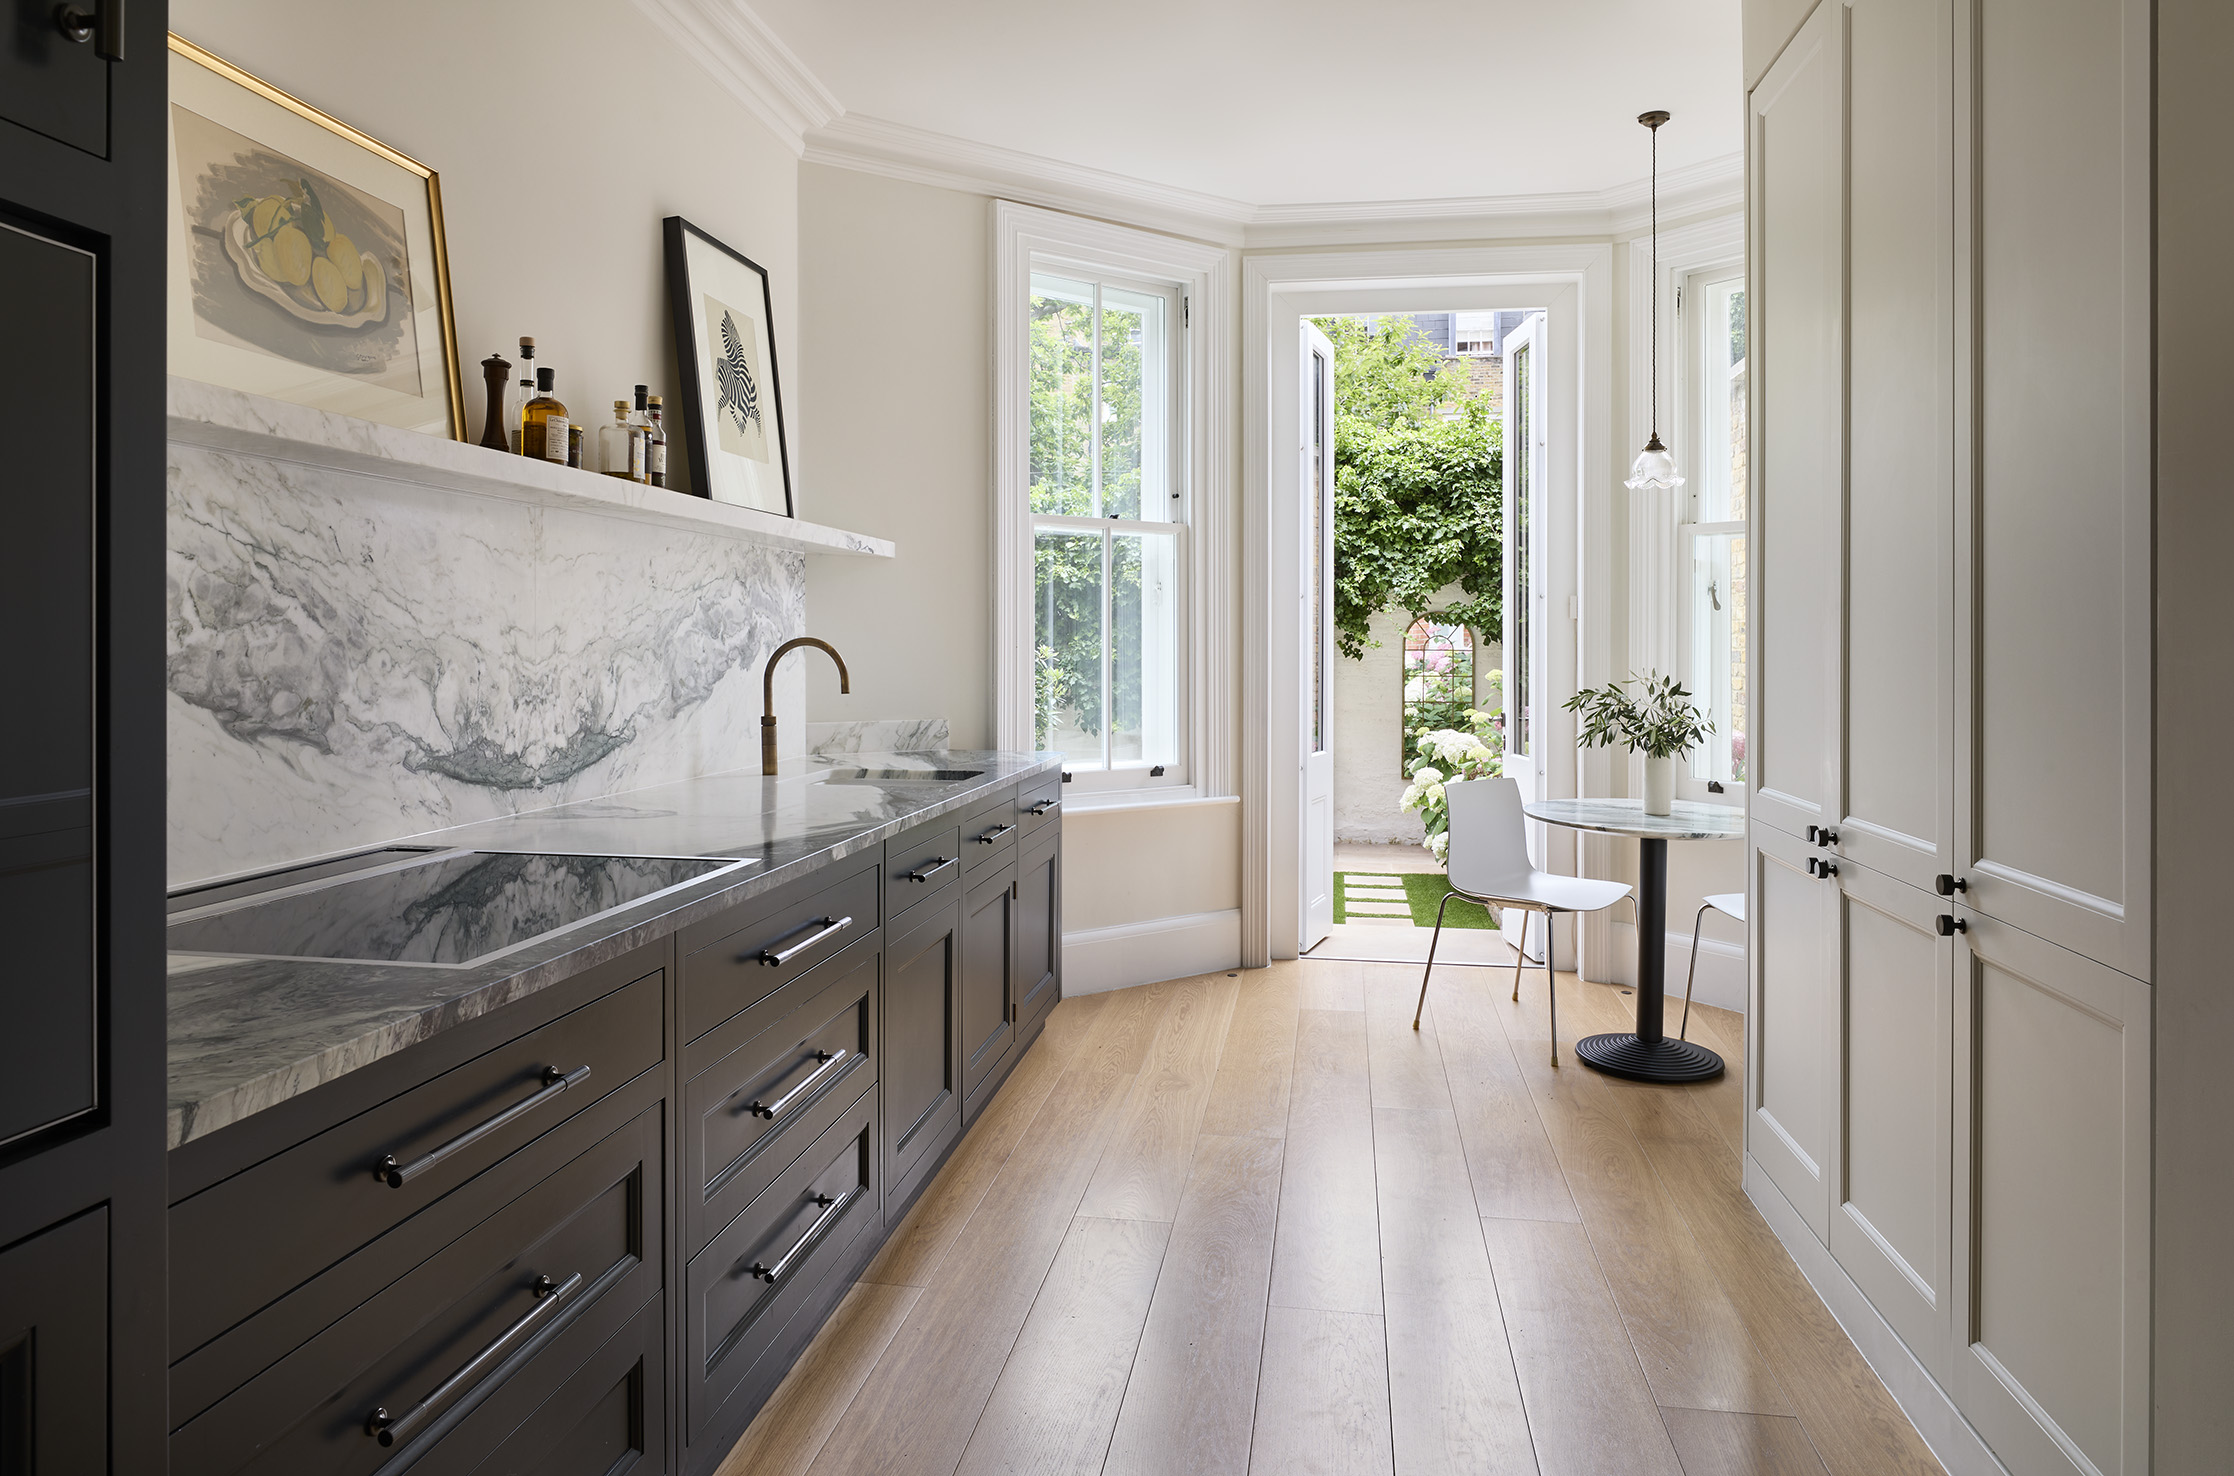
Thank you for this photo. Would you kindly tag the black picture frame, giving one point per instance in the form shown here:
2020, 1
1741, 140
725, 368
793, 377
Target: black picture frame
694, 260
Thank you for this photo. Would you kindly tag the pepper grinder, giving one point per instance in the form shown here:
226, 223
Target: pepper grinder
498, 372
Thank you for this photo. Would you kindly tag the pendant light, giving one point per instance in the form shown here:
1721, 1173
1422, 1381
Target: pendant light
1654, 469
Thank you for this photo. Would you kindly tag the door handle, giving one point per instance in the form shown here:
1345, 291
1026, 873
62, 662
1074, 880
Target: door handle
1947, 885
772, 1110
925, 873
395, 1175
825, 927
994, 834
388, 1429
1044, 806
831, 1209
1950, 925
104, 27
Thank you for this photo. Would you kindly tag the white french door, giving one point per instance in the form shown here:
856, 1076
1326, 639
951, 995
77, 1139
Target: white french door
1527, 624
1315, 492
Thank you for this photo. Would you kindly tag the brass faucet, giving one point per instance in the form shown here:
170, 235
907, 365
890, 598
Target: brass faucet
768, 694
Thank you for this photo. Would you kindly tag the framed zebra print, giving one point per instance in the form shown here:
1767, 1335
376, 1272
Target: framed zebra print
726, 349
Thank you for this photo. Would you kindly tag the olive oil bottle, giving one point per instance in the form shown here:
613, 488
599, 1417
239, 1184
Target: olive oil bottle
543, 422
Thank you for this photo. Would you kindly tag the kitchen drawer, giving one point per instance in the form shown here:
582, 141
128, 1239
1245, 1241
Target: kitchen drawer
989, 832
774, 940
743, 1291
1039, 805
771, 1080
423, 1355
919, 863
609, 1416
241, 1243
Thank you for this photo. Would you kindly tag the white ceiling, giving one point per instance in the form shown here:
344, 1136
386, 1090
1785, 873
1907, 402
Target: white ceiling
1288, 102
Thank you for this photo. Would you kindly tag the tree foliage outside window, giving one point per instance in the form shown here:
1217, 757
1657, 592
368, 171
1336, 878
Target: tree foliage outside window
1418, 484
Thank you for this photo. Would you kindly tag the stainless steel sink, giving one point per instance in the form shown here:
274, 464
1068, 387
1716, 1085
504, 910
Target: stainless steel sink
891, 776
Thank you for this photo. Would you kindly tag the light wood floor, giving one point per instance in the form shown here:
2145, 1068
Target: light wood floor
1257, 1224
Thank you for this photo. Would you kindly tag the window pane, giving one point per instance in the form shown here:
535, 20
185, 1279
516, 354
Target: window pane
1144, 662
1135, 455
1067, 671
1718, 652
1722, 404
1062, 351
1438, 681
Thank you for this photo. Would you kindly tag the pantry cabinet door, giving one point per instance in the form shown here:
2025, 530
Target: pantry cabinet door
1796, 270
1896, 699
2052, 1174
2054, 571
1791, 1059
1893, 1223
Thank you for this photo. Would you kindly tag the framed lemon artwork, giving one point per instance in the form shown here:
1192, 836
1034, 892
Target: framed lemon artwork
306, 259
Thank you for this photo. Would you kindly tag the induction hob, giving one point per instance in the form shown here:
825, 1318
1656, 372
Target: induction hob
441, 909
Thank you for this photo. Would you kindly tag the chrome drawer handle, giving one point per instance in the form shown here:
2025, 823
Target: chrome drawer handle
924, 874
388, 1429
830, 1060
994, 834
1044, 806
555, 1081
831, 1209
828, 927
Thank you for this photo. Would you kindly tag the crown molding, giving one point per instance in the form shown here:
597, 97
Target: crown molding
751, 63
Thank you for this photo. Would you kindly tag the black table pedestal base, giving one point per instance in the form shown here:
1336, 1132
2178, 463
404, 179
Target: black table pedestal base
1649, 1060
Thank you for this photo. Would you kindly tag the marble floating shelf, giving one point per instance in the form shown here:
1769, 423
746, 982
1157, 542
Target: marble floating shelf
230, 421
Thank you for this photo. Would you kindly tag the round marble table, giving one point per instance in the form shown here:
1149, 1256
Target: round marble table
1646, 1054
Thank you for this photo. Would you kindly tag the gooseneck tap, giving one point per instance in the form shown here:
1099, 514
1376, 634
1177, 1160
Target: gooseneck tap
768, 693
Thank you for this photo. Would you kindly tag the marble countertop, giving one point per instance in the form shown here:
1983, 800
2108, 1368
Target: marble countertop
248, 1033
1685, 821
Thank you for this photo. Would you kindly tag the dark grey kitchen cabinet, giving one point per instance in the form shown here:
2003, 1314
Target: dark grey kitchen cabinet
988, 976
1039, 927
54, 1351
923, 1045
82, 236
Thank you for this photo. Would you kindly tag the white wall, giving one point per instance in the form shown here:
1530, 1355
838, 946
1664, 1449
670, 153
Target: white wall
564, 131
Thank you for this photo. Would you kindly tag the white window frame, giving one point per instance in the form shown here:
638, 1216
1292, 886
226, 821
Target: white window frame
1660, 525
1694, 408
1028, 240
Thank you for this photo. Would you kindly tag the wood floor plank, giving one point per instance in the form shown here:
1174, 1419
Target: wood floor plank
1716, 1442
1330, 984
792, 1426
1250, 1093
1056, 1401
1590, 1411
1454, 1396
1328, 1251
1509, 1158
1323, 1397
1695, 1349
1851, 1420
1146, 1164
910, 1257
1192, 1397
1407, 1064
914, 1415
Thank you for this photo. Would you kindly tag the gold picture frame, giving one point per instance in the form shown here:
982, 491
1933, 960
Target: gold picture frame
307, 258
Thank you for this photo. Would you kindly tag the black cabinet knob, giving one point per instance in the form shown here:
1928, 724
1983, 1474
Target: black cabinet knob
104, 27
1949, 925
1949, 885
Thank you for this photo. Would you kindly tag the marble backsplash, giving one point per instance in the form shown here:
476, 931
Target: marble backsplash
354, 656
890, 735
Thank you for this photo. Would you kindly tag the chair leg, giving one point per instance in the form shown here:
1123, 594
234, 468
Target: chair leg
1520, 954
1691, 973
1551, 983
1431, 945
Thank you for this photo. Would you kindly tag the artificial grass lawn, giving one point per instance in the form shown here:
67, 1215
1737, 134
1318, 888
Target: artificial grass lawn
1423, 891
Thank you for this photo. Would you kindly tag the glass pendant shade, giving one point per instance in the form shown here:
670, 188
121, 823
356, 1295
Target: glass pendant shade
1654, 470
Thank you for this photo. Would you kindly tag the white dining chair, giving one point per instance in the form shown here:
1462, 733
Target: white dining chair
1729, 904
1488, 863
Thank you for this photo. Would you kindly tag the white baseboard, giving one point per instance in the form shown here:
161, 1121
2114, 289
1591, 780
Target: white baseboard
1951, 1437
1099, 959
1722, 977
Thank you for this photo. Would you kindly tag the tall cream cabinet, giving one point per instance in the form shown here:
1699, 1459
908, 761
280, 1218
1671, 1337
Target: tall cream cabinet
1954, 1083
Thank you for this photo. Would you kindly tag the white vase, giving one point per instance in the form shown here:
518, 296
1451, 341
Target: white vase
1659, 784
